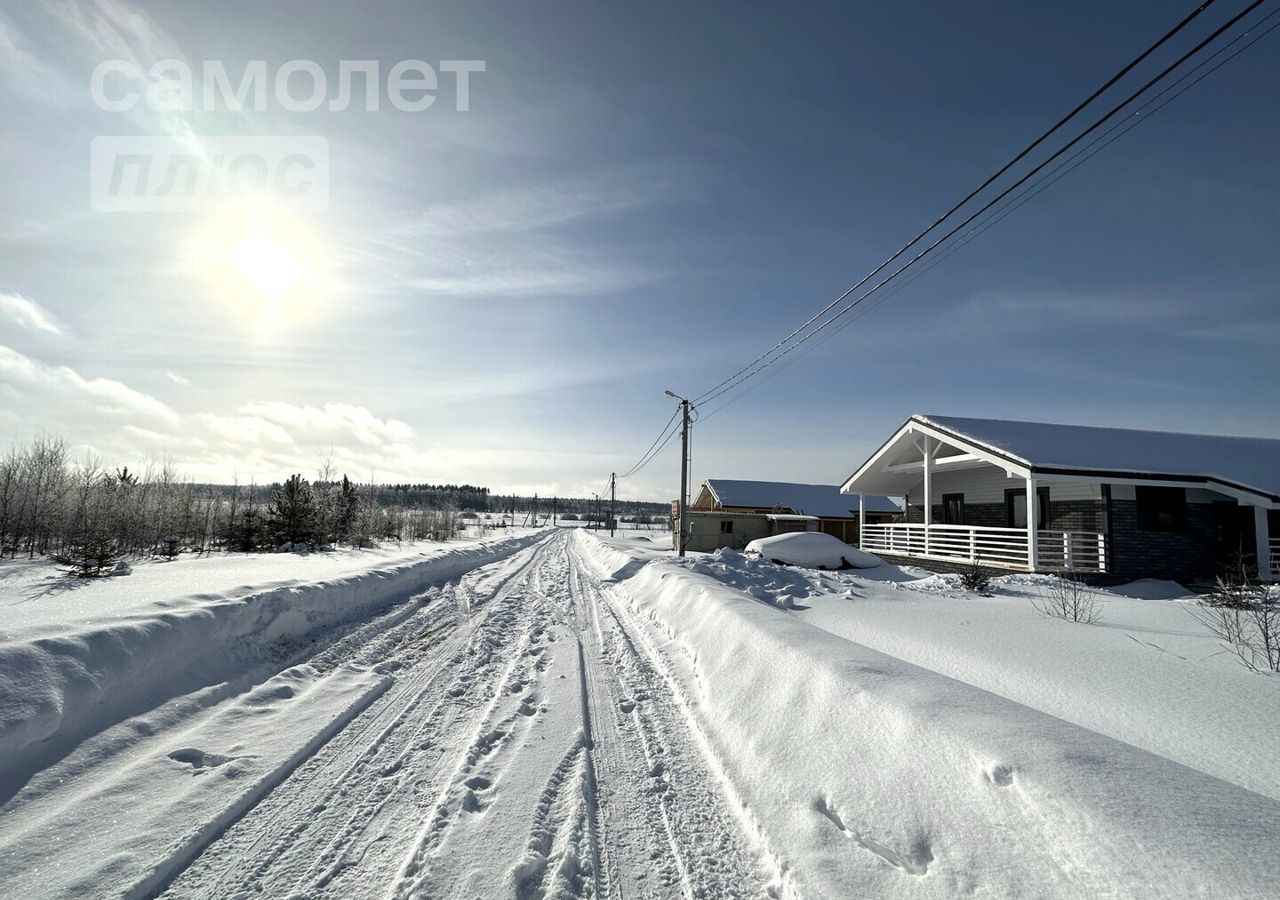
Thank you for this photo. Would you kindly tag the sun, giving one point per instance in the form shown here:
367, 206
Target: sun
267, 264
264, 267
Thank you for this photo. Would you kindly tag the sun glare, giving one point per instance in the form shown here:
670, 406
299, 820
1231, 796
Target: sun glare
268, 265
265, 267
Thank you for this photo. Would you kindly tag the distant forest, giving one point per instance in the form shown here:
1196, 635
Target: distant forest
88, 515
470, 497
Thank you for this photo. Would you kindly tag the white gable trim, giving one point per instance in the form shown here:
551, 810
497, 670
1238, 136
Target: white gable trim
917, 426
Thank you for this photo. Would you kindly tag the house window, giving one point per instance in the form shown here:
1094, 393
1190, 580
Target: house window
726, 526
953, 509
1161, 508
1015, 508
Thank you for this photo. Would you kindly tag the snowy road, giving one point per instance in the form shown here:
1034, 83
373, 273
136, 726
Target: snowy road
526, 747
553, 715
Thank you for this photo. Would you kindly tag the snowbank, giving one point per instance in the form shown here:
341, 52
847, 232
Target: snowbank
914, 784
37, 599
178, 800
781, 586
58, 689
813, 550
1148, 674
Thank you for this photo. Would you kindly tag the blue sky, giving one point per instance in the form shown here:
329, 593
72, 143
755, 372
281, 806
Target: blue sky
640, 197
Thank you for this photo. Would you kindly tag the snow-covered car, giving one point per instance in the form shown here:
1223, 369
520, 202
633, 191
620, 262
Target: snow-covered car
811, 550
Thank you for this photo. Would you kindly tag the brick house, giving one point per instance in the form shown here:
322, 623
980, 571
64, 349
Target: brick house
1114, 503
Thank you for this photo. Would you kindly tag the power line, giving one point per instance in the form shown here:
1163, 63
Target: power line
1002, 204
753, 369
1110, 82
1138, 117
649, 454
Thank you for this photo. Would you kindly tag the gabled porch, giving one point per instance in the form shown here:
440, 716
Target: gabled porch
970, 504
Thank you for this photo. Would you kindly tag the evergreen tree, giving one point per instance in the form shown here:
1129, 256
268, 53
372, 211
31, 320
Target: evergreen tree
291, 516
348, 507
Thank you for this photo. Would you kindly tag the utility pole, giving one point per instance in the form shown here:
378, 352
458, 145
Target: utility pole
613, 499
684, 470
555, 508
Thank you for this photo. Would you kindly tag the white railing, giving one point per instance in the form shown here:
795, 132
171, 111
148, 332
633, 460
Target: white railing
1275, 557
1006, 548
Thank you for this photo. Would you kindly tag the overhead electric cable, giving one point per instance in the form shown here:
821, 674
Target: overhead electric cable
763, 362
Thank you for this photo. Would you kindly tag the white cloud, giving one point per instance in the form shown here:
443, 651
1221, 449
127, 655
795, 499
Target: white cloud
245, 429
1029, 308
21, 64
168, 440
538, 206
334, 422
54, 385
1258, 332
506, 243
117, 29
27, 313
562, 281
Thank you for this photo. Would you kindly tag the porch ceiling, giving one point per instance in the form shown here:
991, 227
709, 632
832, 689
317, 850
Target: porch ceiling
899, 464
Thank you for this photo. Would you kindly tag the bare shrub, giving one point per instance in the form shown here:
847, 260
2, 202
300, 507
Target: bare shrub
1245, 616
1065, 596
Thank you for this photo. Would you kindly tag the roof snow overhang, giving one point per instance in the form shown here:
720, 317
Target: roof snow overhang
898, 464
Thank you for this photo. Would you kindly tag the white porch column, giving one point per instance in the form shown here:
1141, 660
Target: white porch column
1033, 519
928, 491
862, 516
1262, 538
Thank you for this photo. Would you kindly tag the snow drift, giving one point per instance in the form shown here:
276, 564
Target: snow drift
58, 689
914, 784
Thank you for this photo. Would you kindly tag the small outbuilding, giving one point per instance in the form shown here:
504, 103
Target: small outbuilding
732, 513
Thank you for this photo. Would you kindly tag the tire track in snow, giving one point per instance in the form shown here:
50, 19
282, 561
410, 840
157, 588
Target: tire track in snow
308, 822
473, 671
486, 736
685, 767
418, 798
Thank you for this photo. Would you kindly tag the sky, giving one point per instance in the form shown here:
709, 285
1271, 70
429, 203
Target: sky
636, 198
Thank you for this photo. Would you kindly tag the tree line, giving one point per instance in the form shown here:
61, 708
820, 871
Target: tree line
88, 515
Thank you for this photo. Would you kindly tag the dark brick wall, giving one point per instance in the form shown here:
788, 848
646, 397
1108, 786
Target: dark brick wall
1078, 515
1184, 556
1187, 555
1064, 515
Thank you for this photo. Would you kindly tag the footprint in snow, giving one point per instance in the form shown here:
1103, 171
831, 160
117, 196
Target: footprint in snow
915, 861
477, 797
198, 759
1000, 775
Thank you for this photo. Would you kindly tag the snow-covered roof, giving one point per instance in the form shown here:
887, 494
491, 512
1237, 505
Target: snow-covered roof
1243, 462
823, 500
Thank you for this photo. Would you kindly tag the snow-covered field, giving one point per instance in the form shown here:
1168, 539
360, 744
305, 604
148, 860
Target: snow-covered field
557, 714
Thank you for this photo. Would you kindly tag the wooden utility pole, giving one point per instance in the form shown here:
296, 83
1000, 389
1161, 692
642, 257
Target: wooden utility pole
613, 499
684, 475
555, 509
